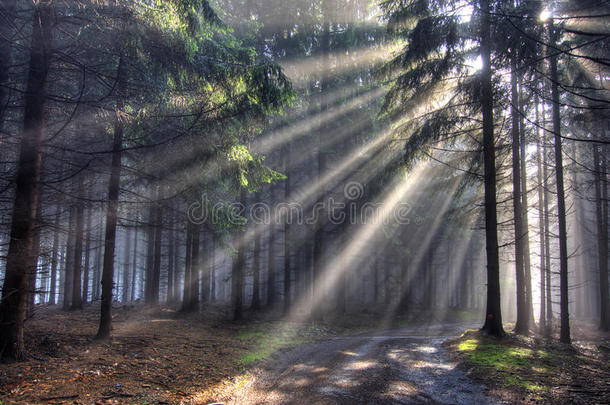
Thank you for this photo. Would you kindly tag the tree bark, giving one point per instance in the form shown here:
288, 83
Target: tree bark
522, 324
87, 259
237, 270
318, 242
602, 240
97, 275
527, 266
256, 268
376, 279
493, 319
287, 235
54, 257
186, 287
213, 269
61, 273
539, 141
387, 279
69, 260
156, 270
77, 301
134, 263
195, 269
150, 254
564, 334
111, 220
170, 261
547, 230
271, 257
205, 278
126, 265
33, 265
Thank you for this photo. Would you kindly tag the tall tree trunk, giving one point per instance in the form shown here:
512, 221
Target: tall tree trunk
134, 263
387, 278
111, 219
428, 269
126, 265
527, 266
176, 263
77, 302
150, 254
602, 239
539, 141
342, 284
61, 273
213, 269
97, 275
342, 240
271, 256
156, 270
170, 261
87, 258
493, 319
205, 279
195, 269
604, 162
403, 303
186, 287
376, 279
33, 265
318, 242
547, 229
300, 267
287, 235
54, 257
237, 270
45, 280
522, 324
256, 267
564, 334
69, 260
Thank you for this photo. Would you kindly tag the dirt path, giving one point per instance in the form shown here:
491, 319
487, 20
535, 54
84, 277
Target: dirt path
405, 366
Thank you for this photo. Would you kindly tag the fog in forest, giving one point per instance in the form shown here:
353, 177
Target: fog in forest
303, 163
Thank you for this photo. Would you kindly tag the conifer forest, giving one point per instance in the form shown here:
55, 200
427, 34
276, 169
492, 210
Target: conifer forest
304, 202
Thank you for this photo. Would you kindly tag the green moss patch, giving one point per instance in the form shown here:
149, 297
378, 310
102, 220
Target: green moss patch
264, 341
524, 369
514, 365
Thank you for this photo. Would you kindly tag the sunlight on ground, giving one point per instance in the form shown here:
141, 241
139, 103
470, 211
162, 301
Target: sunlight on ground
426, 349
361, 365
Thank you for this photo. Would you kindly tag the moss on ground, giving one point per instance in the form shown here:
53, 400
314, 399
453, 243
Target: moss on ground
523, 366
529, 369
264, 341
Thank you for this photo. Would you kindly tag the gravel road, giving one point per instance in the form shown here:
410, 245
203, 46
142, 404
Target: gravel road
400, 366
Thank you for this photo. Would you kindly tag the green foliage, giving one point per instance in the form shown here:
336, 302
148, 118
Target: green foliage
189, 88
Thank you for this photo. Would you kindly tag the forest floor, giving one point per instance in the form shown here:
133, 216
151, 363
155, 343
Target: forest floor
162, 357
154, 357
536, 369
